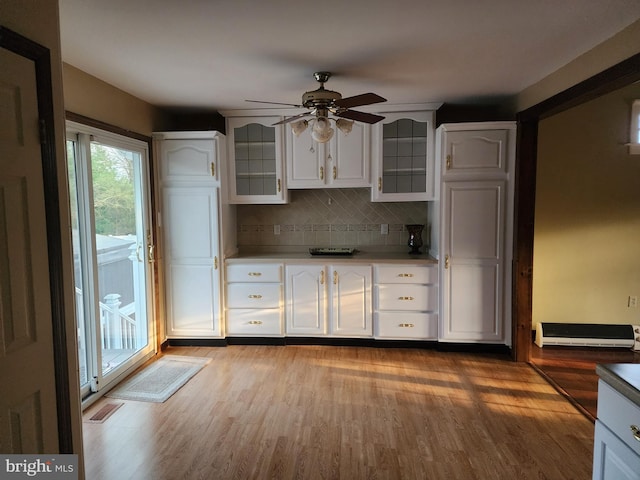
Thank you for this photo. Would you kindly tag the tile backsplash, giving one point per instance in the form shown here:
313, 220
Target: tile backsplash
330, 217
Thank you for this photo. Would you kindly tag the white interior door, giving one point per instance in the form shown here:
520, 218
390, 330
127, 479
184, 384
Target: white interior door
473, 273
28, 414
113, 252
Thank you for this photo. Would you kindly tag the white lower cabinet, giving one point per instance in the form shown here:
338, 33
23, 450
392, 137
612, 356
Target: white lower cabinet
616, 453
254, 300
406, 302
328, 299
351, 300
306, 300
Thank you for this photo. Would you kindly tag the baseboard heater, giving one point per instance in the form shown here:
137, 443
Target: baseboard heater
584, 334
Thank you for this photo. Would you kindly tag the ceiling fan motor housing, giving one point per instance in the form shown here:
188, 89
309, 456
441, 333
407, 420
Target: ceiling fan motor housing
320, 98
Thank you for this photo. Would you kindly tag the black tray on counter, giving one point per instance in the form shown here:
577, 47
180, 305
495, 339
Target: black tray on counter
332, 251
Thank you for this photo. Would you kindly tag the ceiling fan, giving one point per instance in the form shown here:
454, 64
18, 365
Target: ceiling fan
322, 102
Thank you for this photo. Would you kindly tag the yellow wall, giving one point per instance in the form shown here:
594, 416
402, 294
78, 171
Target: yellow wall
587, 225
618, 48
89, 96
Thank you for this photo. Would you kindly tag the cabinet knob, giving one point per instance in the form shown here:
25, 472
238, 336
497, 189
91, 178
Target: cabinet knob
379, 184
405, 274
255, 322
446, 262
335, 277
279, 185
335, 173
321, 173
448, 162
635, 431
254, 274
321, 277
406, 325
255, 296
405, 298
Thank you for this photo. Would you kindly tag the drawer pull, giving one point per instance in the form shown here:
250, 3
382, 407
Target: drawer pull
635, 431
405, 274
254, 274
406, 325
405, 298
255, 296
255, 322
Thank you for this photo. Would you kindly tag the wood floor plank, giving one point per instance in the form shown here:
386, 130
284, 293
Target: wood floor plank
307, 412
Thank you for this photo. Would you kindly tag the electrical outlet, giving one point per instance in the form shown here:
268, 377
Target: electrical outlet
384, 229
633, 301
276, 229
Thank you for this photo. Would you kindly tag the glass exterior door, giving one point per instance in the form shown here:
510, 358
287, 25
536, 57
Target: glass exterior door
112, 254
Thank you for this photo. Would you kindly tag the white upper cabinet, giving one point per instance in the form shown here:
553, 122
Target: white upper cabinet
480, 151
255, 160
343, 162
403, 157
189, 156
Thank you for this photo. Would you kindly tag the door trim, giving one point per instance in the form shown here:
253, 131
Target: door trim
41, 57
613, 78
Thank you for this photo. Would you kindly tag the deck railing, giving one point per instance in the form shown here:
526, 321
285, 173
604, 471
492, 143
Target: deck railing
118, 328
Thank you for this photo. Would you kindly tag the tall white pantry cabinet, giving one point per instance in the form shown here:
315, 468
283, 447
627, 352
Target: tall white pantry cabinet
476, 162
190, 218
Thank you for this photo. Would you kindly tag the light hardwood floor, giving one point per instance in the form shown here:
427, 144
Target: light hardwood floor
319, 412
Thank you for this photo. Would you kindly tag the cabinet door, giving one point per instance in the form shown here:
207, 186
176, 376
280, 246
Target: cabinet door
351, 300
348, 158
343, 162
473, 265
612, 459
306, 300
475, 152
255, 160
188, 160
305, 161
191, 261
403, 157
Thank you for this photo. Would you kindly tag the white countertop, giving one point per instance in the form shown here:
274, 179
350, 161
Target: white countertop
305, 257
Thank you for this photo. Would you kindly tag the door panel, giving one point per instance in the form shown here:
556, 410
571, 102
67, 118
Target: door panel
192, 260
351, 301
27, 393
473, 273
306, 299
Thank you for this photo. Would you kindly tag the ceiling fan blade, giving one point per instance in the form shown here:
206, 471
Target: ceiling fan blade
360, 116
292, 119
359, 100
275, 103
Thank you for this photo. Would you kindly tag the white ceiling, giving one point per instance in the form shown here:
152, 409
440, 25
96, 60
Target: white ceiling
214, 54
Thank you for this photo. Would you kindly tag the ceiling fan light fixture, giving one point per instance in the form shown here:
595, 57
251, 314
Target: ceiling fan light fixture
344, 125
322, 131
298, 127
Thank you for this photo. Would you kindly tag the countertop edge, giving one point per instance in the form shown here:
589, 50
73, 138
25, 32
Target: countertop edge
615, 375
306, 258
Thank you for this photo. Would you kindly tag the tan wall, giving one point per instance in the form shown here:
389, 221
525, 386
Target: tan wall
33, 19
587, 226
89, 96
619, 47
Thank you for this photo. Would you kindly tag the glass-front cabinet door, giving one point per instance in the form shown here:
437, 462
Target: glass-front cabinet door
255, 160
403, 157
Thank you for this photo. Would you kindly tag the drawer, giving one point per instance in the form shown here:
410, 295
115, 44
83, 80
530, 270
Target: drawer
409, 325
619, 414
407, 297
254, 295
254, 272
243, 321
406, 274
